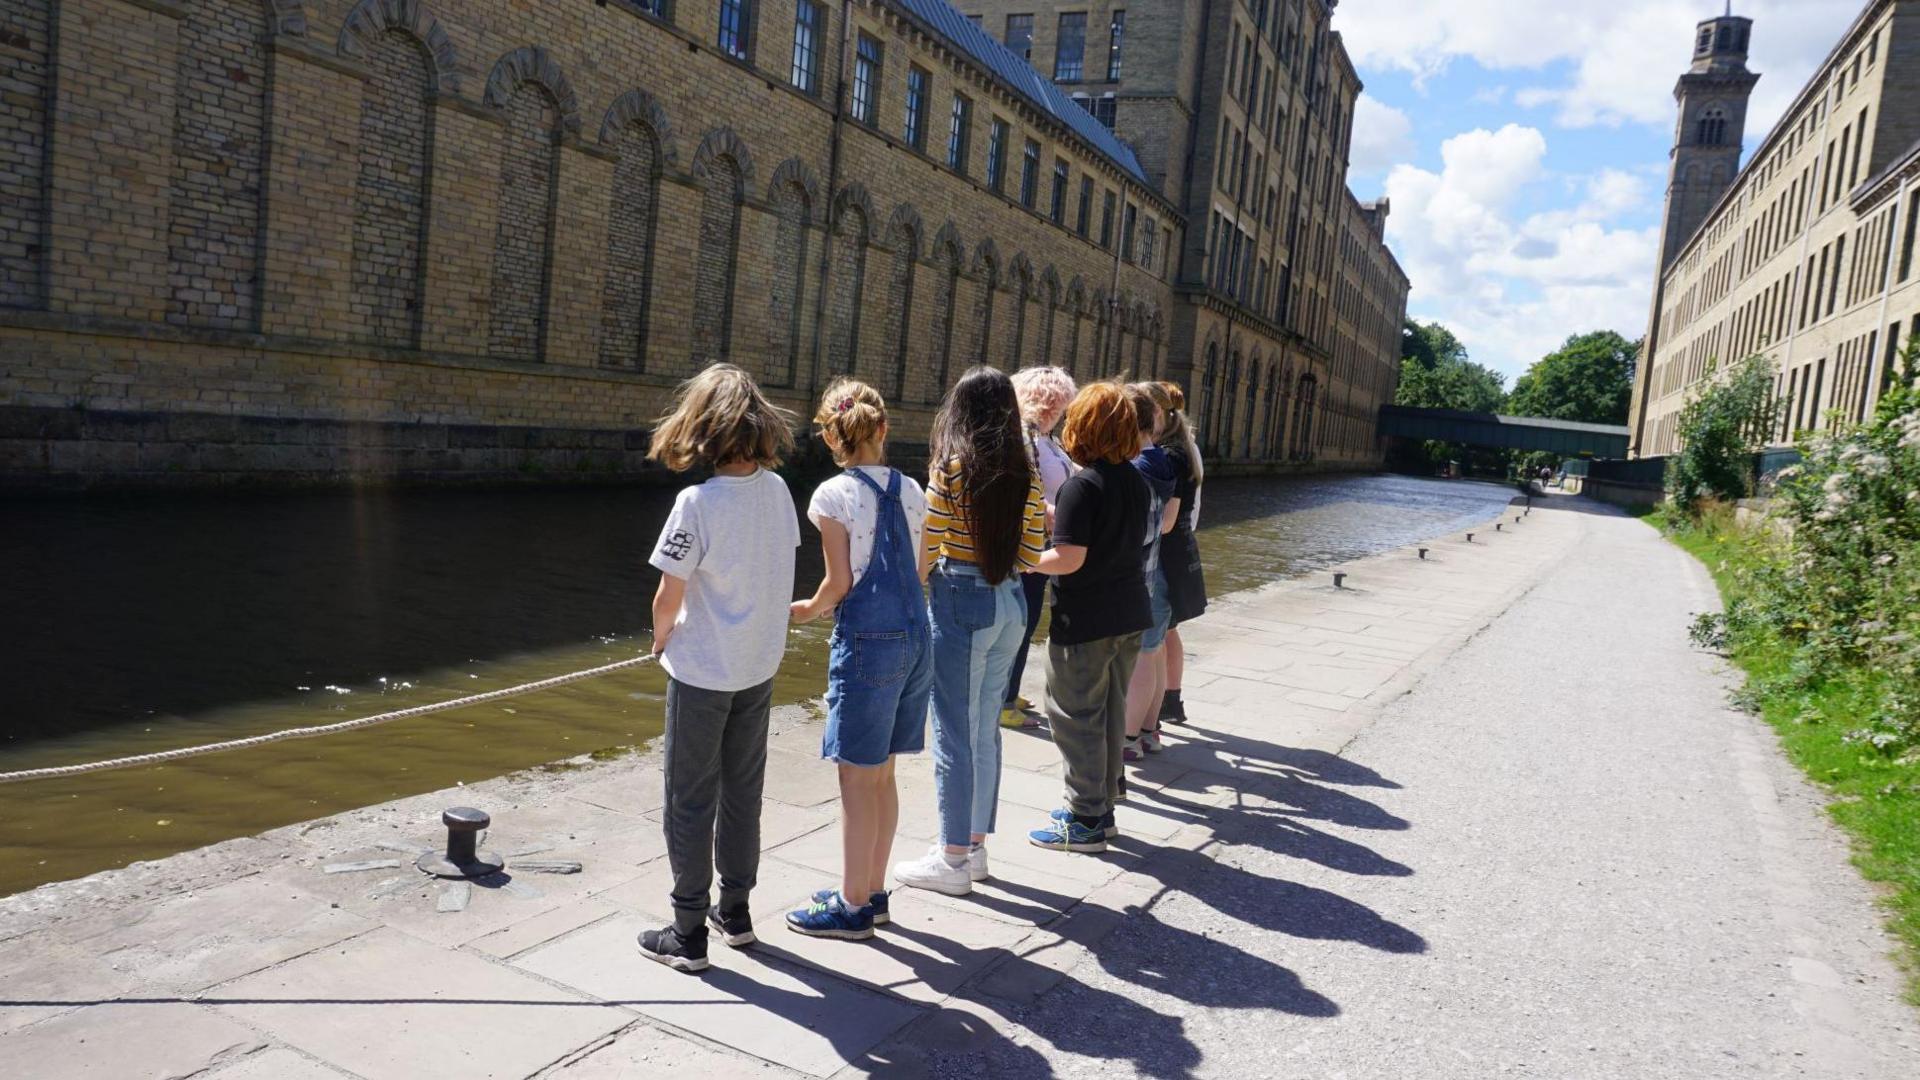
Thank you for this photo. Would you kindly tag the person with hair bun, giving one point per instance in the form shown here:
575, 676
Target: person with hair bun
880, 670
1044, 393
1100, 610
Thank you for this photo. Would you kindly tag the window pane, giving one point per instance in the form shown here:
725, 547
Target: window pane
1020, 35
916, 129
806, 49
957, 134
997, 155
1070, 52
1086, 205
866, 79
1106, 221
1059, 207
1030, 174
733, 28
1115, 39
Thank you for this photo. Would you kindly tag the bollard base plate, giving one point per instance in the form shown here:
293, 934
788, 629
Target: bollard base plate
437, 864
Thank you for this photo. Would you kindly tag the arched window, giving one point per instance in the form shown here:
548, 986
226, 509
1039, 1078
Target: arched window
632, 222
904, 238
1209, 375
787, 290
946, 303
522, 241
721, 181
23, 140
390, 187
1228, 403
849, 277
986, 269
219, 126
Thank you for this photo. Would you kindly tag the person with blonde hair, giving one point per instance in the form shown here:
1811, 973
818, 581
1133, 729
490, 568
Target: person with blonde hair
1180, 549
880, 669
1099, 612
1044, 393
725, 557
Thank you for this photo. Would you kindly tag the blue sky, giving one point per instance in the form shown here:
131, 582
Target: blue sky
1524, 145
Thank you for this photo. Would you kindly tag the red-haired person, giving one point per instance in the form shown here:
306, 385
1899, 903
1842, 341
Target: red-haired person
1100, 611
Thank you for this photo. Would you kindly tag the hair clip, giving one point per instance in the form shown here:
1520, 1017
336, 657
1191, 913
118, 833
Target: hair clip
843, 405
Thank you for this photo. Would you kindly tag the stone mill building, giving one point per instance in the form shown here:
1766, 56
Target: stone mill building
1805, 255
307, 240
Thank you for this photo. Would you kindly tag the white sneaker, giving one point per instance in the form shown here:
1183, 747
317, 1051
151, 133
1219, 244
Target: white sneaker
932, 871
1150, 741
977, 863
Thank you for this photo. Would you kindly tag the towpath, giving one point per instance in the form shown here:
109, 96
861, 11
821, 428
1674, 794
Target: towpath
1480, 814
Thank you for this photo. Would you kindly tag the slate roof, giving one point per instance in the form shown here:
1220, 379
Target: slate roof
961, 35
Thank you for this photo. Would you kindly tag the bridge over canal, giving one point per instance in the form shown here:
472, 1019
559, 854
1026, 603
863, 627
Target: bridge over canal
1564, 437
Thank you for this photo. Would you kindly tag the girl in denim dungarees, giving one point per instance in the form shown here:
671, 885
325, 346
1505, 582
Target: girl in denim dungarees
881, 666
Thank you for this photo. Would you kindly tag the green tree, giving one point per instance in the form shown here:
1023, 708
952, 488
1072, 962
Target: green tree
1588, 380
1435, 373
1724, 424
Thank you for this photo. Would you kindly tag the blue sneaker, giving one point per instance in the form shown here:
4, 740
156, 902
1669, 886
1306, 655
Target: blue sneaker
877, 903
1068, 835
1107, 827
832, 919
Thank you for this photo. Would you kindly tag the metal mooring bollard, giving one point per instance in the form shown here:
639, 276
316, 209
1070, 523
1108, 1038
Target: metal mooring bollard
1499, 526
462, 859
1339, 581
1469, 538
1423, 554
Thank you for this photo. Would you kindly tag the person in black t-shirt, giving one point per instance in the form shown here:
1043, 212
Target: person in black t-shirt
1099, 612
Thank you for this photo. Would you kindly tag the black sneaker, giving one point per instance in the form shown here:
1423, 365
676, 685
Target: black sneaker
1172, 709
680, 952
735, 930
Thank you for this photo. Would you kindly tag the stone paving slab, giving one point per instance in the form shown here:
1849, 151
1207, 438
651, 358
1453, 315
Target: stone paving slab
791, 1015
136, 1040
391, 1006
643, 1052
277, 1063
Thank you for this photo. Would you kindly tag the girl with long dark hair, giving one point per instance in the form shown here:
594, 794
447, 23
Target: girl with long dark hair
986, 523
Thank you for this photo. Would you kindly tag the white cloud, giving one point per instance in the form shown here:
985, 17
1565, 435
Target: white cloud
1382, 137
1514, 284
1623, 55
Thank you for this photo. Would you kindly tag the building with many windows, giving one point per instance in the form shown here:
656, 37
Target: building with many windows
483, 238
1288, 304
1805, 255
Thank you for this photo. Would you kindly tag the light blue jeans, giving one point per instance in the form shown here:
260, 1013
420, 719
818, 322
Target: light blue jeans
976, 632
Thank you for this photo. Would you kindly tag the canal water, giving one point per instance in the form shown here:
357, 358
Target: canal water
136, 624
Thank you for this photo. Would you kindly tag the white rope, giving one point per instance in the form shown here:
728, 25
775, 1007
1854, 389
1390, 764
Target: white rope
310, 732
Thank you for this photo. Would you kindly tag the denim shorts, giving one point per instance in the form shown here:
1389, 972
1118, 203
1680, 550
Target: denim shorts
877, 694
1162, 608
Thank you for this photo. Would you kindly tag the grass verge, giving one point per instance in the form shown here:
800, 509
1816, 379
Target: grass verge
1875, 798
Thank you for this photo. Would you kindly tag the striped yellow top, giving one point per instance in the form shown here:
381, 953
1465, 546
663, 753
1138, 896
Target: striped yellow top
946, 529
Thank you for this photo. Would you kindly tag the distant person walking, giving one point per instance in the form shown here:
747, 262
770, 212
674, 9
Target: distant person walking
880, 669
1044, 393
726, 557
986, 522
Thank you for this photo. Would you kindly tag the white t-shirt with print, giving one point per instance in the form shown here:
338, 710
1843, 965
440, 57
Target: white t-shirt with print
855, 506
732, 540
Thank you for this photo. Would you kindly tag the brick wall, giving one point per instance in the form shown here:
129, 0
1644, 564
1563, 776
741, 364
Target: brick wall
413, 217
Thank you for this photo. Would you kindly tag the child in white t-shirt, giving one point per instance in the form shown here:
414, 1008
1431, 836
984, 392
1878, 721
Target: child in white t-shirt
880, 672
726, 558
